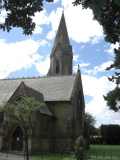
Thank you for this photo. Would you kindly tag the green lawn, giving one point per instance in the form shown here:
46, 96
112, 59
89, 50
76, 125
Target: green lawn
96, 152
53, 157
105, 149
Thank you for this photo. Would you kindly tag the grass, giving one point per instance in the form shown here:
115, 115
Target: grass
105, 149
53, 157
96, 152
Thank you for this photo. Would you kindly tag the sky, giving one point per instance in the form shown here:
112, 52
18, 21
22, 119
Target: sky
28, 56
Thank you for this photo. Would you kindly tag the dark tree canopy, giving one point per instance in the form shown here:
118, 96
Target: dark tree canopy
108, 131
89, 127
19, 14
113, 99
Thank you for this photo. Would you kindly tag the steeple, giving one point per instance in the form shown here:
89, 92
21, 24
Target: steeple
61, 55
62, 34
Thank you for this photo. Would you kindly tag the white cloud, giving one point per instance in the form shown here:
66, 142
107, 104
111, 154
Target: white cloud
77, 21
96, 39
75, 57
103, 66
96, 88
54, 19
55, 1
43, 42
110, 50
40, 19
15, 56
97, 69
78, 27
51, 35
43, 65
3, 15
108, 117
82, 65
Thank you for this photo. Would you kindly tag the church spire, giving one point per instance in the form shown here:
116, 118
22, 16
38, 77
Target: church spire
62, 37
62, 55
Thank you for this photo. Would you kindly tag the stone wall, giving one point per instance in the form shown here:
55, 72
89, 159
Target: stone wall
54, 134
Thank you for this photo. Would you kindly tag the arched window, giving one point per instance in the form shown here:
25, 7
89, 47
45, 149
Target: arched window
57, 67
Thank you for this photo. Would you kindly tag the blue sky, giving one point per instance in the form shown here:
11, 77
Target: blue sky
28, 56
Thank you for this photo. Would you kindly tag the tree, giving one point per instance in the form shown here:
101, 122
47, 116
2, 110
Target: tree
108, 131
19, 14
113, 99
107, 13
89, 125
21, 112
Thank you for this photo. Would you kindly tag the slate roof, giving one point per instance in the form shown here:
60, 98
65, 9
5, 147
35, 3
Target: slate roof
45, 110
57, 88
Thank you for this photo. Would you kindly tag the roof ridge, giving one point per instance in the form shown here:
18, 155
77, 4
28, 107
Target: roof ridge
37, 77
19, 78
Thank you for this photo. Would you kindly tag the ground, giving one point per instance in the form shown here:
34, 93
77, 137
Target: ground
5, 156
97, 152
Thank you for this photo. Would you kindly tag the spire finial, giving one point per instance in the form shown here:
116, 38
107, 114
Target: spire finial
78, 67
63, 10
63, 15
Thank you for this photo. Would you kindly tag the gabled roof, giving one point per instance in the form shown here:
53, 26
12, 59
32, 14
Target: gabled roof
57, 88
45, 110
24, 90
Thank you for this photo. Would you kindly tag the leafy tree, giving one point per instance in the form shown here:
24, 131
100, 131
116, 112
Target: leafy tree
113, 99
89, 125
108, 131
89, 122
21, 112
107, 13
19, 14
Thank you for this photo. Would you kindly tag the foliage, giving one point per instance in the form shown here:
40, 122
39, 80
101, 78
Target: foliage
89, 125
113, 99
20, 13
89, 128
21, 112
110, 134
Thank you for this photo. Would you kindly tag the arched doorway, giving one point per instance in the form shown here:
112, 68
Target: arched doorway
17, 140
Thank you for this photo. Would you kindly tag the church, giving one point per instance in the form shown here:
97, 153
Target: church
62, 119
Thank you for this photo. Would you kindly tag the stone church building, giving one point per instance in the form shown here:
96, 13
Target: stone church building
61, 120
